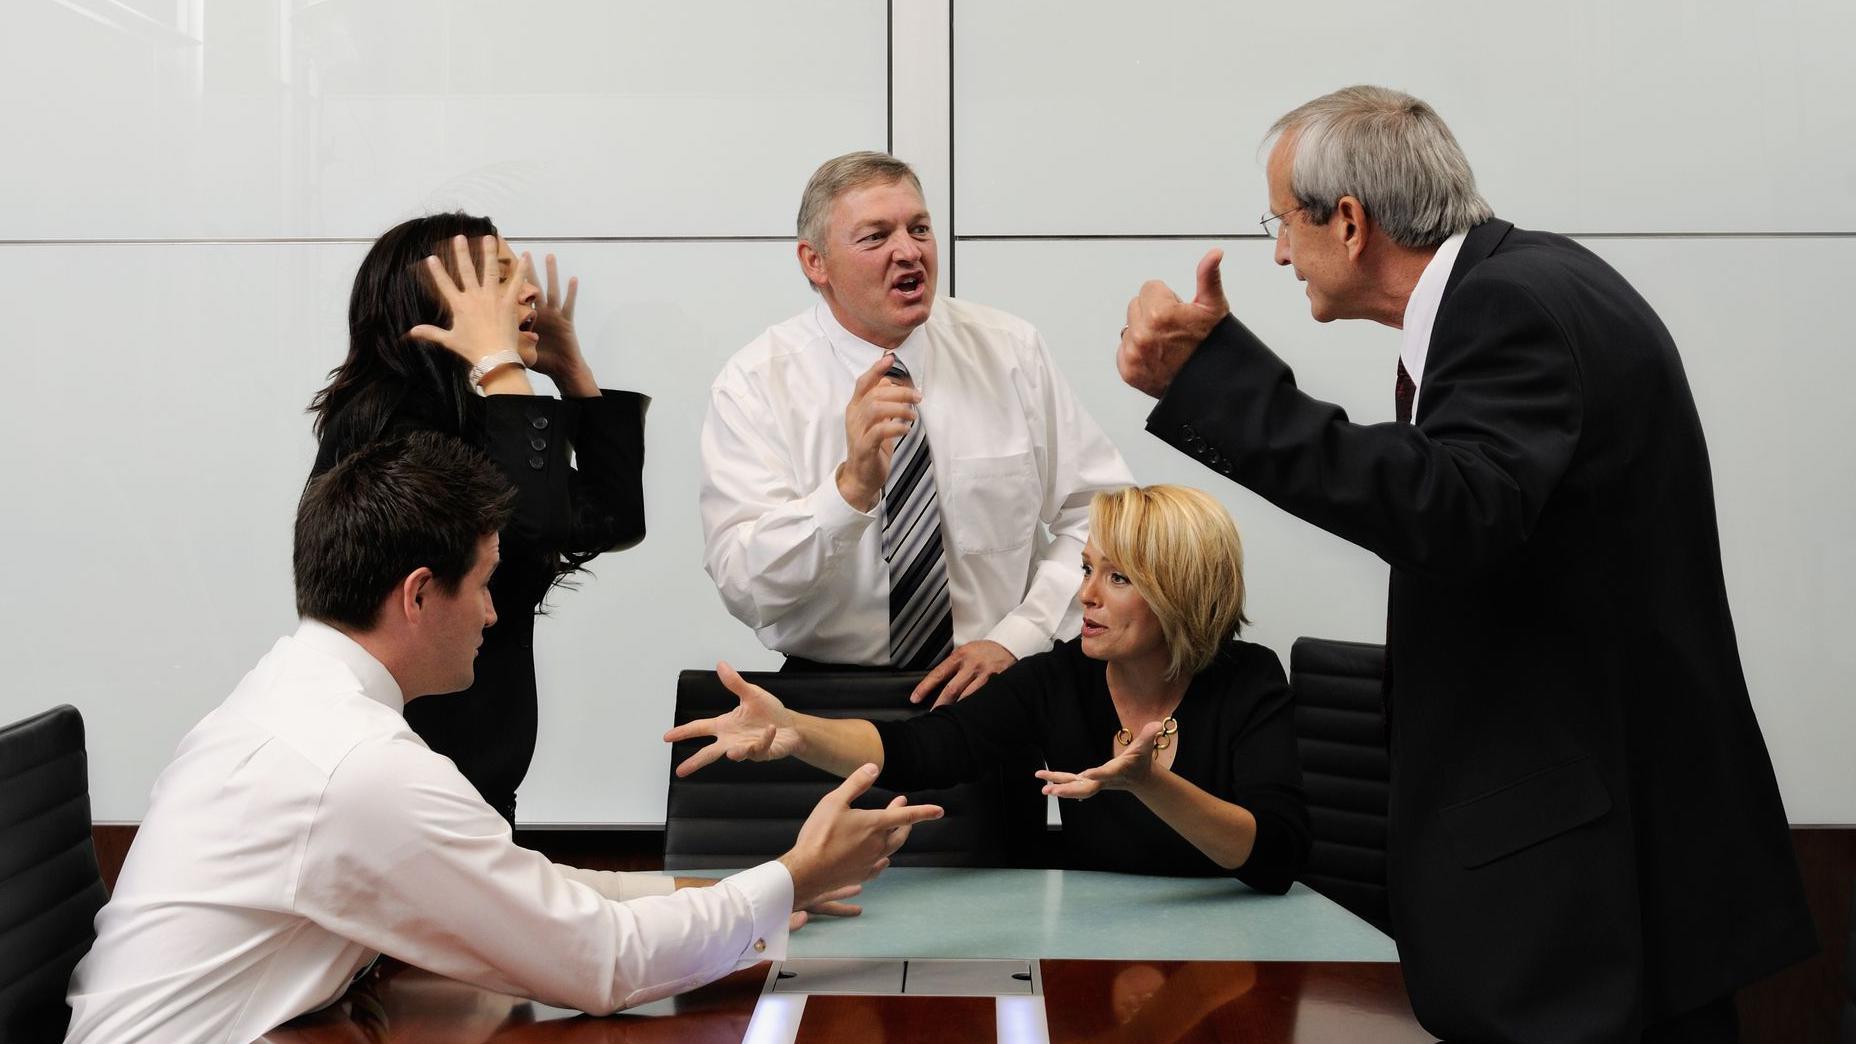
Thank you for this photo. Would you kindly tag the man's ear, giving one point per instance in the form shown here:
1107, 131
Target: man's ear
812, 263
413, 593
1352, 225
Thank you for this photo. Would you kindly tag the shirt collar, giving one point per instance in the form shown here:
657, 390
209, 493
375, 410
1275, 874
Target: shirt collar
1421, 308
376, 681
859, 353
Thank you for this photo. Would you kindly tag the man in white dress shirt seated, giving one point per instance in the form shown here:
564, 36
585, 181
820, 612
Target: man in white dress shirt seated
890, 480
302, 828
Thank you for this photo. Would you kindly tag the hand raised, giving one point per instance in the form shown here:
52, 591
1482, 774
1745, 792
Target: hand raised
759, 729
839, 845
558, 353
486, 309
1163, 331
1125, 771
878, 416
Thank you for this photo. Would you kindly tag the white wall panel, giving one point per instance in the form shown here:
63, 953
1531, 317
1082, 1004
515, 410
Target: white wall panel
1770, 367
1091, 116
244, 119
155, 460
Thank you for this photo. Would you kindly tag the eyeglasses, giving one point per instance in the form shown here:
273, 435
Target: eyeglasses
1272, 223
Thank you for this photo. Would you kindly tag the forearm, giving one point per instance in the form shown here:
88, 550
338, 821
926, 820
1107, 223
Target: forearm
1225, 832
767, 559
1452, 493
577, 381
837, 745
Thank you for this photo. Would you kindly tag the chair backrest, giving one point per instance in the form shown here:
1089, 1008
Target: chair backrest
1341, 733
735, 814
50, 888
1846, 1032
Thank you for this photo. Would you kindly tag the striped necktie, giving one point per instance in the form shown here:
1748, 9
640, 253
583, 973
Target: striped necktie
921, 622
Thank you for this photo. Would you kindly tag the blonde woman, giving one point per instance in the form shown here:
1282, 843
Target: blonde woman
1176, 740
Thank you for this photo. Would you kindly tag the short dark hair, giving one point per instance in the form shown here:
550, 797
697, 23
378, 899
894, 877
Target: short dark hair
387, 509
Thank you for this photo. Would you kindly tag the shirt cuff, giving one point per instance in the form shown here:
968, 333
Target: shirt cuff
768, 889
1020, 637
844, 523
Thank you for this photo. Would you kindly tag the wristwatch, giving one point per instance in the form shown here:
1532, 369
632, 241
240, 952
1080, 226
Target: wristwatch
483, 366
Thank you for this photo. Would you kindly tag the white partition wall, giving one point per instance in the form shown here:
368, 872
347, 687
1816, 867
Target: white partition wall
189, 184
187, 190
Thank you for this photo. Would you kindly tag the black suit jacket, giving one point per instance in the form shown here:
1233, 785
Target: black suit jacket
561, 512
1586, 834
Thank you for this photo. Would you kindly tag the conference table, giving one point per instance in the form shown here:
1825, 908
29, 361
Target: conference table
950, 954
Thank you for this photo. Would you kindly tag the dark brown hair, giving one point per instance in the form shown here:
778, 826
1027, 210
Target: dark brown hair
386, 510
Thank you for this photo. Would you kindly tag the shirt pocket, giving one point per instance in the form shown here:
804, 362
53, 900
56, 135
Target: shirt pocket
995, 503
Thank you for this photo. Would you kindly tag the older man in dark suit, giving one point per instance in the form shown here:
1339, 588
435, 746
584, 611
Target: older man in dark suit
1587, 841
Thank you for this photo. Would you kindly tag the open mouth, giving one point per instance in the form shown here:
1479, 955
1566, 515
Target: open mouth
528, 321
909, 284
1092, 628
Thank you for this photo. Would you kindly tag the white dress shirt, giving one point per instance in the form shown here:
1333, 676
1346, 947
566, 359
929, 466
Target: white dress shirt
1014, 454
1421, 313
302, 828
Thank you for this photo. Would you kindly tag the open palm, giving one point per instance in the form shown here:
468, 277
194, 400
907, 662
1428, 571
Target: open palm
759, 729
1124, 771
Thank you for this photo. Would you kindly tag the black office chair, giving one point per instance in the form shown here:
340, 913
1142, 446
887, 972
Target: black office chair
1341, 733
736, 814
50, 887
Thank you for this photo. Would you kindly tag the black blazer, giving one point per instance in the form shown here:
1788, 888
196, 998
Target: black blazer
560, 510
1586, 834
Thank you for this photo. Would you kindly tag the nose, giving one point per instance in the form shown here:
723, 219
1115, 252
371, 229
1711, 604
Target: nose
907, 249
489, 611
1282, 249
1086, 594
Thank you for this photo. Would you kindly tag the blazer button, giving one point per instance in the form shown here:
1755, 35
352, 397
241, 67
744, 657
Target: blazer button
538, 443
538, 423
537, 463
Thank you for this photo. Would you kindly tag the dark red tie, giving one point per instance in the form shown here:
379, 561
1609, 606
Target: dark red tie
1405, 391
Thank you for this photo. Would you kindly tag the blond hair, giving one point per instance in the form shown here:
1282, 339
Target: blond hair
1180, 550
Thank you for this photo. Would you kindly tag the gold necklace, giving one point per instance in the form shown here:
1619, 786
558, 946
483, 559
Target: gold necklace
1168, 729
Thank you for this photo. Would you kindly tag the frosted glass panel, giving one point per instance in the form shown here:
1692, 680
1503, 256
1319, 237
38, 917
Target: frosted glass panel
1090, 116
243, 119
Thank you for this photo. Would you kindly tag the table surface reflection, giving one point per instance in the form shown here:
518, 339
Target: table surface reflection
1149, 1002
1121, 958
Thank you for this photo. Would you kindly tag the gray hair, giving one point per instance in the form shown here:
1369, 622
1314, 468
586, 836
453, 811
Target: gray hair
837, 176
1390, 151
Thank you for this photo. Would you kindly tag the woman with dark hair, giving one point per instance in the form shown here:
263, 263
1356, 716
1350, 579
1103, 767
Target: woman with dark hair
441, 338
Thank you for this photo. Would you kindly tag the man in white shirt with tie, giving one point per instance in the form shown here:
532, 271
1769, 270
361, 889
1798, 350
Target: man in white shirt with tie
303, 828
890, 480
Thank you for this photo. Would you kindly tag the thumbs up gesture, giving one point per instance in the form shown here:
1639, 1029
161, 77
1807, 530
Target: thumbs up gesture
1163, 331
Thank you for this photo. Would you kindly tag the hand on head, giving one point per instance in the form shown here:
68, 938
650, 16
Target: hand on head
1163, 331
839, 846
878, 416
557, 354
486, 309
